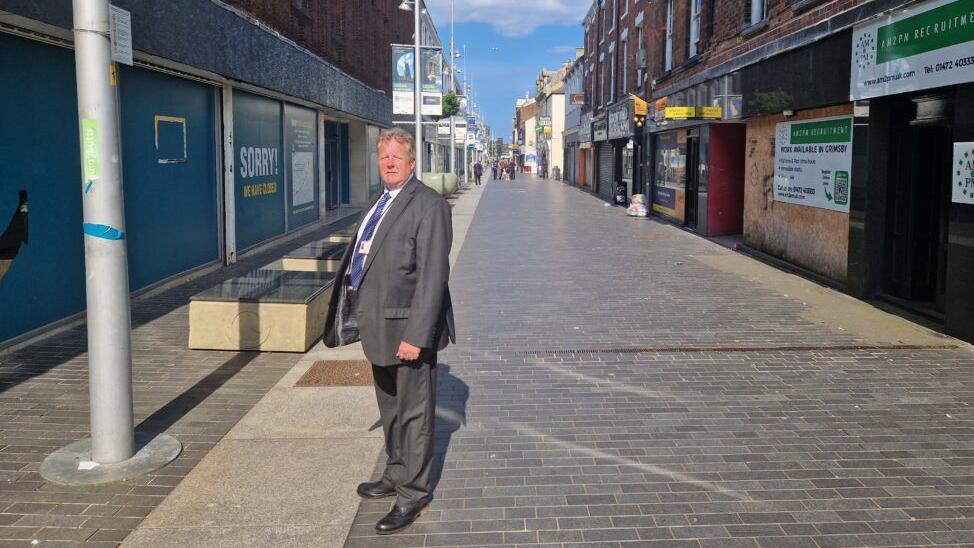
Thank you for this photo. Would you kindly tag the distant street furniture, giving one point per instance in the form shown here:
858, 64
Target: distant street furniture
434, 181
266, 310
450, 183
445, 184
323, 256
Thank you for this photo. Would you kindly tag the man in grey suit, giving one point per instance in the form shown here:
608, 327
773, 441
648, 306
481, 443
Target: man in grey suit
392, 293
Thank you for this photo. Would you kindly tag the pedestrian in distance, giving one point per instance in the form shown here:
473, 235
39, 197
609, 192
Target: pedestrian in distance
478, 172
392, 293
493, 170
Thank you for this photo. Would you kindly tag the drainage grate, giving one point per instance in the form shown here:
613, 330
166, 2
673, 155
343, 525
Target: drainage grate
337, 373
689, 349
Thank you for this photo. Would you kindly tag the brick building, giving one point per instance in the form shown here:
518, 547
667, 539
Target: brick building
818, 133
352, 34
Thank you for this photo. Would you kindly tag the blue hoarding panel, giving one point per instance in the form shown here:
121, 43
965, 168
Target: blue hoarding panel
259, 192
39, 147
171, 190
170, 184
301, 164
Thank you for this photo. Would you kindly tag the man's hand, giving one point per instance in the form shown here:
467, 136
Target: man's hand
407, 352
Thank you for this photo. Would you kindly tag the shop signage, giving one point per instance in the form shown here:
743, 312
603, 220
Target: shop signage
578, 98
813, 163
639, 107
963, 173
544, 121
710, 113
680, 112
585, 128
620, 120
600, 130
684, 113
928, 46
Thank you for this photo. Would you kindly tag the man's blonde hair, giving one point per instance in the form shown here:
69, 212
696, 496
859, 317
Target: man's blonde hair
400, 136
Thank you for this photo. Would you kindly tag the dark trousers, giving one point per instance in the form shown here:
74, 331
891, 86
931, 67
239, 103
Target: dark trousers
407, 403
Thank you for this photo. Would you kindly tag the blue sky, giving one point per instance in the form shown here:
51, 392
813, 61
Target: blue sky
508, 43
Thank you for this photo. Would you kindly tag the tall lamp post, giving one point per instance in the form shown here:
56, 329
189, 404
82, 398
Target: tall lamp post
453, 126
466, 178
415, 6
114, 452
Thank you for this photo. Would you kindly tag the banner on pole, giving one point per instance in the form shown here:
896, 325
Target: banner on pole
432, 82
403, 80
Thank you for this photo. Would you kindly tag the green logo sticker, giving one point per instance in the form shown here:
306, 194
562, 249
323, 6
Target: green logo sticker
89, 147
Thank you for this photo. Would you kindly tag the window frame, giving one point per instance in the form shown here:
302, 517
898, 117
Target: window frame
696, 6
668, 38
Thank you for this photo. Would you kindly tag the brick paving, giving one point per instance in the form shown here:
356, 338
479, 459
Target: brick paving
610, 390
196, 396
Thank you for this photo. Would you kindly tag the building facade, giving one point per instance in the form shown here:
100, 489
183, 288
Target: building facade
574, 102
222, 153
827, 136
550, 86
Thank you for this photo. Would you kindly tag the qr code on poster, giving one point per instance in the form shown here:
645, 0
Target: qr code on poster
842, 187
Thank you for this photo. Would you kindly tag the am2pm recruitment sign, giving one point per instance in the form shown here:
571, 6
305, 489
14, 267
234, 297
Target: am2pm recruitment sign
927, 46
813, 162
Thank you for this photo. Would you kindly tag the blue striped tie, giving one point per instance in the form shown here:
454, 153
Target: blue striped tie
358, 259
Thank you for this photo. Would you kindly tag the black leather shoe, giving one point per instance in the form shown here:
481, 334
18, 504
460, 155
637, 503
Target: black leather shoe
375, 490
401, 517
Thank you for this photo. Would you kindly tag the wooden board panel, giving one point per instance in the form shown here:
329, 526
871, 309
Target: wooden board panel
813, 238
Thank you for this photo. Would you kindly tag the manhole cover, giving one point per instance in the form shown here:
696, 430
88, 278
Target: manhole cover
338, 373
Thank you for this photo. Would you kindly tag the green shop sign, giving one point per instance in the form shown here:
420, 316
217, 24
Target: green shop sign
828, 131
948, 25
928, 45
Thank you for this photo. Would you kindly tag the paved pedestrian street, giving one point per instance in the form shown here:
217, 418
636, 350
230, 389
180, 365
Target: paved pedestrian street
196, 396
621, 382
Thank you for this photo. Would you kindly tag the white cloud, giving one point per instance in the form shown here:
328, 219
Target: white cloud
512, 18
562, 50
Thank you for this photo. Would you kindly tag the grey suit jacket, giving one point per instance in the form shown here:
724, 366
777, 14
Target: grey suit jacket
404, 294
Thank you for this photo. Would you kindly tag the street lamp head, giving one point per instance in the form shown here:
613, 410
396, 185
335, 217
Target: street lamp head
406, 5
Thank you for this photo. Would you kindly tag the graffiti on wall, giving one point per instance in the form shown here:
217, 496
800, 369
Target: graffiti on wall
14, 235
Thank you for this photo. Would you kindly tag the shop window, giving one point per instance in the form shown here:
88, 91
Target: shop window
760, 9
669, 191
612, 87
695, 8
668, 50
625, 66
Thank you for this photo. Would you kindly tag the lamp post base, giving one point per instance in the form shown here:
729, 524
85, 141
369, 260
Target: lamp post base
72, 464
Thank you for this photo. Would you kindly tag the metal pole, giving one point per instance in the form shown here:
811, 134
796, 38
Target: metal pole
106, 269
466, 177
418, 103
453, 72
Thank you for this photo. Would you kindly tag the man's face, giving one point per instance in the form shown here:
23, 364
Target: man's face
395, 163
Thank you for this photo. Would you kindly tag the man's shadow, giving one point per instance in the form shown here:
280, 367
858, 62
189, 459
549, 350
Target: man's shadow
451, 414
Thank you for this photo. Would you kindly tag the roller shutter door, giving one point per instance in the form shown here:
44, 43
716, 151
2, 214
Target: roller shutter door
606, 170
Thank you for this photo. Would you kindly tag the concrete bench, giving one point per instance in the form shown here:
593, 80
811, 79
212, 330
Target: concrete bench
266, 310
322, 256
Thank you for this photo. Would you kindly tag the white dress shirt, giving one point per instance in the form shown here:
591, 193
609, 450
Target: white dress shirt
365, 220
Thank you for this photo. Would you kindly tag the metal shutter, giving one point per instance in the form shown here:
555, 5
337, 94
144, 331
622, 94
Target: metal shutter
606, 170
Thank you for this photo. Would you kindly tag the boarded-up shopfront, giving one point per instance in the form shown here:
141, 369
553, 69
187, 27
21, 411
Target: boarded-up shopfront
812, 237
